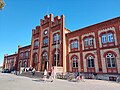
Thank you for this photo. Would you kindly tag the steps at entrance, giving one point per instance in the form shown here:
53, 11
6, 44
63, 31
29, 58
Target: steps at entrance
29, 74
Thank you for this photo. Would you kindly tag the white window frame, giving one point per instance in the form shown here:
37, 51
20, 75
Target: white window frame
110, 37
75, 61
90, 58
110, 56
91, 41
104, 38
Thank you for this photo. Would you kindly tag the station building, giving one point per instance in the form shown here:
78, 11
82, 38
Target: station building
92, 49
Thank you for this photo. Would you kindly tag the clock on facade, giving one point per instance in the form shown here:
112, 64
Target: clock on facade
45, 32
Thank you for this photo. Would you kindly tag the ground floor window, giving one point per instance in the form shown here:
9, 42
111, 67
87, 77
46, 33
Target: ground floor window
90, 62
110, 60
75, 62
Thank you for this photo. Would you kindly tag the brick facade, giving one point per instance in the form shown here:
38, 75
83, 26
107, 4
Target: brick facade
82, 50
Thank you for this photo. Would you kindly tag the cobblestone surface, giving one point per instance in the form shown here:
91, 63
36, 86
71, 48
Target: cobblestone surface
12, 82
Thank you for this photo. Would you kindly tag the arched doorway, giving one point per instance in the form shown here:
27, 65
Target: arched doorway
35, 61
56, 57
44, 60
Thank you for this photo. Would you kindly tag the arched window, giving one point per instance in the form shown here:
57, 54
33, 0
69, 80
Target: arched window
45, 56
36, 43
35, 58
21, 55
74, 62
89, 41
45, 41
107, 37
90, 62
110, 59
25, 64
56, 57
56, 38
26, 54
74, 44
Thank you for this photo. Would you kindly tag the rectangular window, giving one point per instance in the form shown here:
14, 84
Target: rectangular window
110, 37
86, 42
91, 41
72, 45
108, 62
89, 63
104, 39
113, 62
76, 44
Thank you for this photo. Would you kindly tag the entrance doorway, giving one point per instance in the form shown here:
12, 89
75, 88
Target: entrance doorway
46, 65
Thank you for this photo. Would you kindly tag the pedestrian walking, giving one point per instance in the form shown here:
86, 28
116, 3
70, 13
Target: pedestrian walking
33, 72
52, 74
45, 75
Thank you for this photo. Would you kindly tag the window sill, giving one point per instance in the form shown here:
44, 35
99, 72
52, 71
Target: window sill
44, 46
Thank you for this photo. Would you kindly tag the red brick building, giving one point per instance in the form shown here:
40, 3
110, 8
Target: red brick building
10, 62
93, 49
24, 56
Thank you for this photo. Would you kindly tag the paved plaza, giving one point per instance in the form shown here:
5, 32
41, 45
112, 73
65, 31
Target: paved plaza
12, 82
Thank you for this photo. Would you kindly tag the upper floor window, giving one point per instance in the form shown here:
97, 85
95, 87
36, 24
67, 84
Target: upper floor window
26, 54
110, 59
45, 56
56, 37
36, 43
45, 41
88, 41
21, 55
91, 41
74, 62
74, 44
108, 37
90, 61
12, 60
104, 38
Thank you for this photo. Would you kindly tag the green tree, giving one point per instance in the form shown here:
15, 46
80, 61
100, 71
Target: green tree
2, 4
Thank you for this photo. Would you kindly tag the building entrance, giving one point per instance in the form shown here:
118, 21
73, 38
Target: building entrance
46, 65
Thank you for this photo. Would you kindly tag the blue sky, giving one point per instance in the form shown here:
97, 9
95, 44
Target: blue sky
19, 17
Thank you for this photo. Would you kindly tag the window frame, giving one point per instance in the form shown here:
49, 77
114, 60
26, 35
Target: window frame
74, 62
110, 62
90, 60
